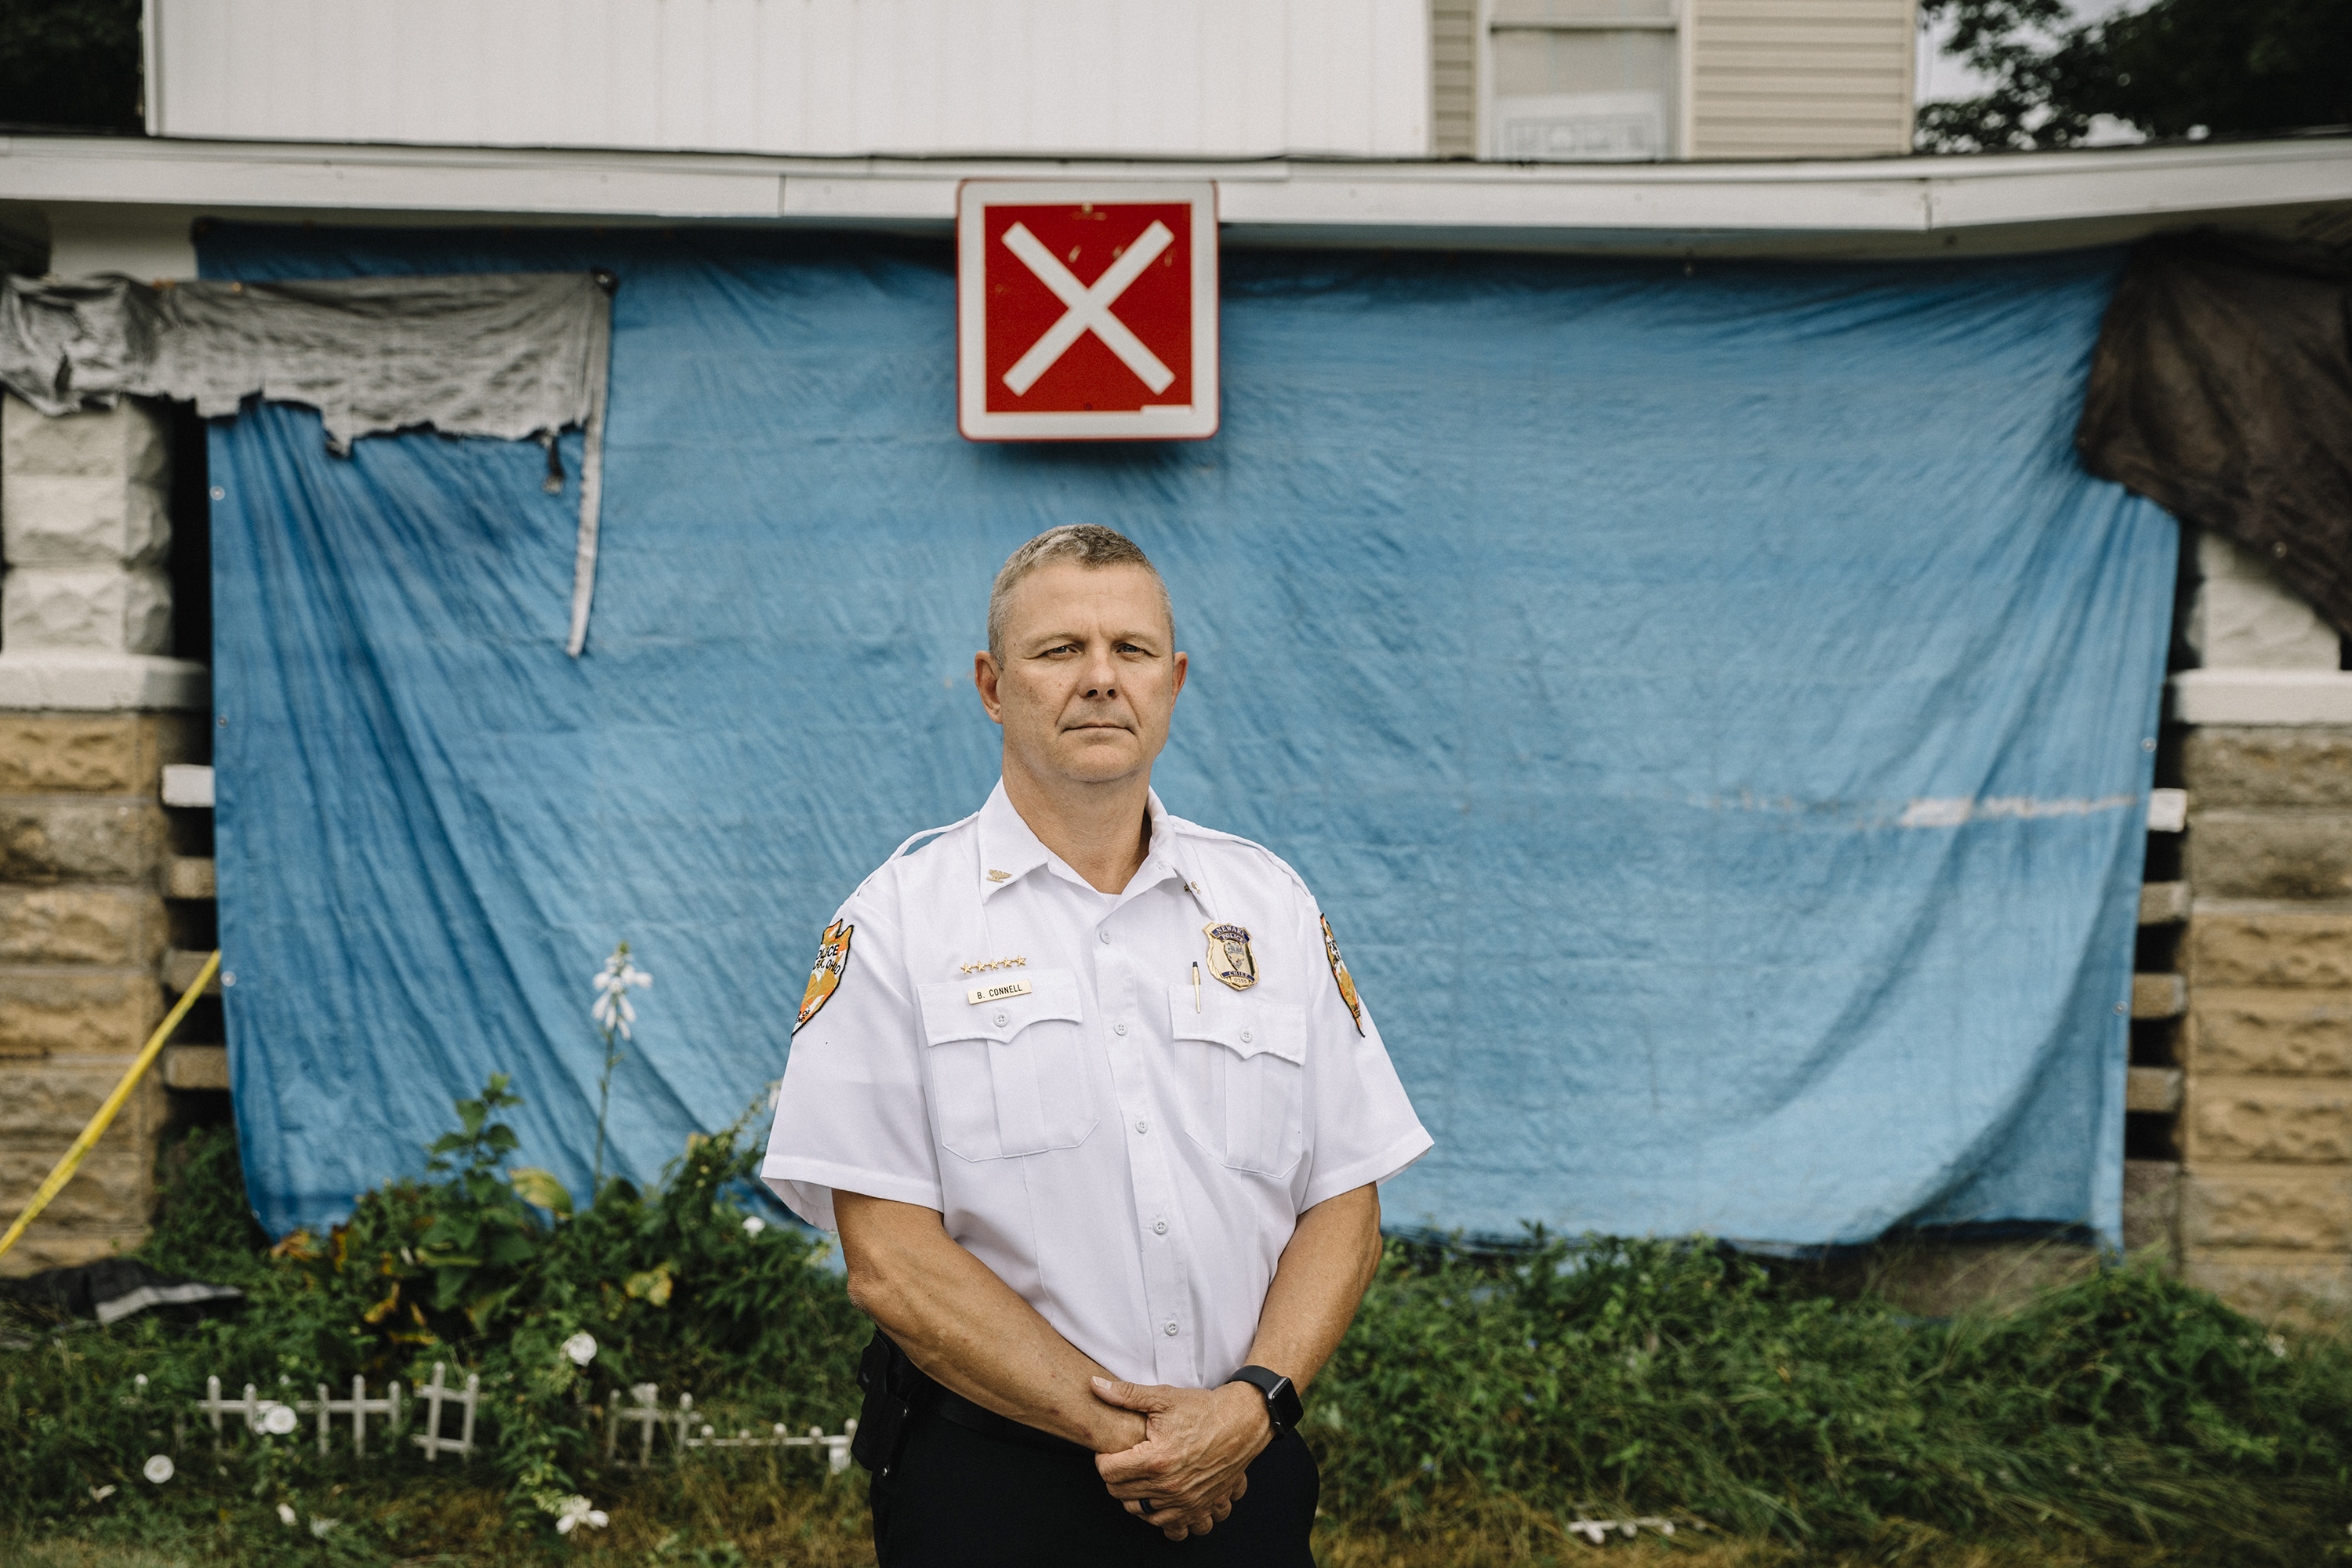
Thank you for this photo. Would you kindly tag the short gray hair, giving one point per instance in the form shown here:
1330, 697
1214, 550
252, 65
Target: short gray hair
1089, 544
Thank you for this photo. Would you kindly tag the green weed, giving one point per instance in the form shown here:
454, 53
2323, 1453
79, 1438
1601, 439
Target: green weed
1479, 1405
673, 1286
1680, 1379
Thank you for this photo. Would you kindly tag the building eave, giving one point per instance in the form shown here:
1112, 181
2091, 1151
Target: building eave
2288, 186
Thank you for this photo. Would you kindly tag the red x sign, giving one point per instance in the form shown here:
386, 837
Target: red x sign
1086, 309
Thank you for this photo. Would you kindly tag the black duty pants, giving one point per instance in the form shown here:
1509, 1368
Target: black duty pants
959, 1498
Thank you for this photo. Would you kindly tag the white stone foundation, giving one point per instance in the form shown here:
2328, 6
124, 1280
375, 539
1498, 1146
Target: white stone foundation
2268, 658
85, 527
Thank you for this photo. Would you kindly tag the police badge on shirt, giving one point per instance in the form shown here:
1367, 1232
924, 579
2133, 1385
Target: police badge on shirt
1230, 959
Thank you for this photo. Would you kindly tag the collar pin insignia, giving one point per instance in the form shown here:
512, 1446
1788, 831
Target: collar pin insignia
1000, 875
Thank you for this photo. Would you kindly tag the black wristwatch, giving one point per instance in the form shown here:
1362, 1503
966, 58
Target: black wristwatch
1282, 1404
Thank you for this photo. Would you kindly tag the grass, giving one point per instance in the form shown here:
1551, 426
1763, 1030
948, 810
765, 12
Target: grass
1480, 1404
731, 1516
720, 1516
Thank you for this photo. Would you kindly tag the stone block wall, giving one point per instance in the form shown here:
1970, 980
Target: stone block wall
84, 845
86, 520
2266, 1134
91, 710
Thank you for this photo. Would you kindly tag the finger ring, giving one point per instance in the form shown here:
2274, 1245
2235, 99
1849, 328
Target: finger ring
1149, 1505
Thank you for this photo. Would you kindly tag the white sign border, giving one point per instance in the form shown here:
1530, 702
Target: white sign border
1195, 422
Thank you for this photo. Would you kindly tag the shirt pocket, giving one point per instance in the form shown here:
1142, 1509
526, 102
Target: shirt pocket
1008, 1075
1242, 1066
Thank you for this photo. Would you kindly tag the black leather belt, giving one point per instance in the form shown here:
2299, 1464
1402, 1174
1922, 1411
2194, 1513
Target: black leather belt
953, 1406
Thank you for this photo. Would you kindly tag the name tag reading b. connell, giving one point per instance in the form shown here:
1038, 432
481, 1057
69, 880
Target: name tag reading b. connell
980, 994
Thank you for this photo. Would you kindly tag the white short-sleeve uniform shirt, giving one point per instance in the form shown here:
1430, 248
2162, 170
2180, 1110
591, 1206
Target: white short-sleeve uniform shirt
1128, 1152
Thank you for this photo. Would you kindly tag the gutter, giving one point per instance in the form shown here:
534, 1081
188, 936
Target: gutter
2292, 187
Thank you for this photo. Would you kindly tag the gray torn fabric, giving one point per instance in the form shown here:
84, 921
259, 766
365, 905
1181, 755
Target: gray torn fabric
510, 354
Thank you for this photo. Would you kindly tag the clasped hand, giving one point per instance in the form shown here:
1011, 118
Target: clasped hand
1192, 1465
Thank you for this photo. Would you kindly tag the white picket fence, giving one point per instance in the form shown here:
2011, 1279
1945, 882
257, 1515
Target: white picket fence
255, 1410
357, 1409
681, 1427
687, 1430
433, 1395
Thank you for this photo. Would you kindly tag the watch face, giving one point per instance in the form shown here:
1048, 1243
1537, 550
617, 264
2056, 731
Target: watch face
1282, 1402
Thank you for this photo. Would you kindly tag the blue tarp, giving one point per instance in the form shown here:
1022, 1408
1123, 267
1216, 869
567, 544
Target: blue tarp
1711, 703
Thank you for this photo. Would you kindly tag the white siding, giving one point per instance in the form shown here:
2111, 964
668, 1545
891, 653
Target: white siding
1799, 79
1112, 78
1454, 78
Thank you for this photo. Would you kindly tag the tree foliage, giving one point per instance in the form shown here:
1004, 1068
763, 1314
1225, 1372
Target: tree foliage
2175, 68
70, 65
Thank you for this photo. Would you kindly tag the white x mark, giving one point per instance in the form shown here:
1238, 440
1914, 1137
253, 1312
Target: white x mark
1089, 310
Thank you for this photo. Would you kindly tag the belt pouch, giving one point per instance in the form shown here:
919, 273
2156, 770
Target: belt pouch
892, 1385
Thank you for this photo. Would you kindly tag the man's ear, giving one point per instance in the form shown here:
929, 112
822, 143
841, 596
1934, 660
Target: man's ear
1182, 662
983, 680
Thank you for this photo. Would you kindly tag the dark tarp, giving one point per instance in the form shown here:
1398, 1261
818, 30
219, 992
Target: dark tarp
2223, 391
114, 1288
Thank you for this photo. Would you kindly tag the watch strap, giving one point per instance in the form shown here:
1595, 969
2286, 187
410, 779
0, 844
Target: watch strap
1283, 1406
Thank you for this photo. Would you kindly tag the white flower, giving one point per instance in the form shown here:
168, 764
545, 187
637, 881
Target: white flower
319, 1527
278, 1419
2277, 1345
99, 1494
575, 1511
159, 1469
581, 1348
285, 1513
611, 1010
753, 1225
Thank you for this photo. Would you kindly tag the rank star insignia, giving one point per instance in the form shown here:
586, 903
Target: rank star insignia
1230, 959
832, 962
1339, 973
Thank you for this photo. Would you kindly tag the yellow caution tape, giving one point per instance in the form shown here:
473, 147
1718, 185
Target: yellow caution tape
98, 1123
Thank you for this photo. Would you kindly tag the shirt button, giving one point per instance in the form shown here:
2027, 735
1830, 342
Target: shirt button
1000, 1020
1143, 1126
1119, 1028
1245, 1037
1172, 1326
1105, 935
1160, 1227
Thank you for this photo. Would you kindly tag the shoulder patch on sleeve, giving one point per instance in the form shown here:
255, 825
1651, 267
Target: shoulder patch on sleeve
832, 963
1339, 973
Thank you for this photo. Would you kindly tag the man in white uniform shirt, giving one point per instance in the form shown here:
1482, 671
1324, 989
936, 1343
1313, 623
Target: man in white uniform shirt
1091, 1100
